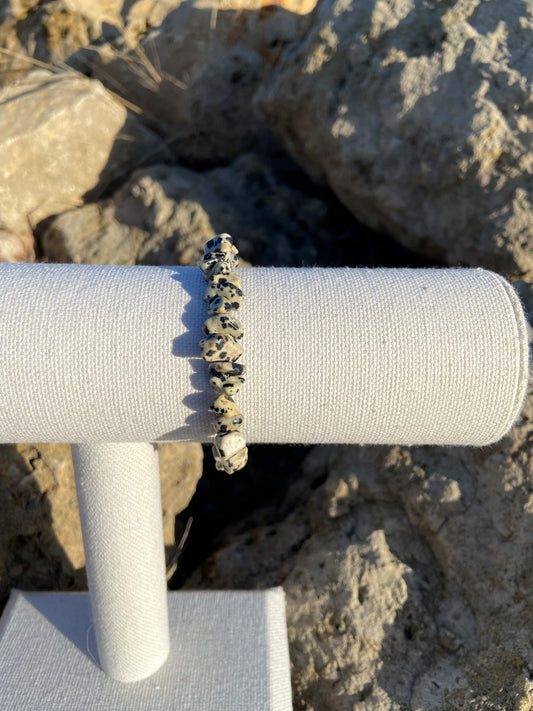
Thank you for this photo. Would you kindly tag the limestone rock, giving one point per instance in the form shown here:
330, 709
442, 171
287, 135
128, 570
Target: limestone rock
164, 215
96, 11
63, 139
17, 247
143, 16
524, 289
196, 91
41, 546
360, 587
195, 75
180, 468
418, 117
53, 33
407, 573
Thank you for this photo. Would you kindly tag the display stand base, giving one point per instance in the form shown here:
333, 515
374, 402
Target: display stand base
228, 653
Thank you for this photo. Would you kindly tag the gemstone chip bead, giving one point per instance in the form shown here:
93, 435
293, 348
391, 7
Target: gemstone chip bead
230, 452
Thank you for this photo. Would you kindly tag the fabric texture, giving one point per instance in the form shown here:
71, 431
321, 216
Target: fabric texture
363, 356
97, 355
229, 652
119, 497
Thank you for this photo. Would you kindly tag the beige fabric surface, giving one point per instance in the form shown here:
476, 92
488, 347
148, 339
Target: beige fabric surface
119, 497
229, 652
368, 356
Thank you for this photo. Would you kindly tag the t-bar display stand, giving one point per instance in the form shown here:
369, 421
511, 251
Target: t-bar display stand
107, 357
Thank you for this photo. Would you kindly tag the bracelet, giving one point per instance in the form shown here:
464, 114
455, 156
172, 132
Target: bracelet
221, 348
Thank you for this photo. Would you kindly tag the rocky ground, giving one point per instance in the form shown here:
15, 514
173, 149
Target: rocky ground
368, 133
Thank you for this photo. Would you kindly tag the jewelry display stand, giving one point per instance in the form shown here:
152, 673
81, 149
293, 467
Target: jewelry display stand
107, 357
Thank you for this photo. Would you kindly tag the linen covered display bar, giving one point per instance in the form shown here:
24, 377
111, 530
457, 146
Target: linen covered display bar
368, 356
96, 354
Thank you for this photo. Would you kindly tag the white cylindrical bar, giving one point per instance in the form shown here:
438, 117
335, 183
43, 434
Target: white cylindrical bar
365, 356
119, 496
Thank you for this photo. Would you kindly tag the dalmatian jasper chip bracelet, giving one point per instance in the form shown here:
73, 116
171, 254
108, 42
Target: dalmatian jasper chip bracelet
221, 348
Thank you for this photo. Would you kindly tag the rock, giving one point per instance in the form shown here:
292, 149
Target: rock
16, 247
97, 11
525, 292
143, 16
92, 235
41, 545
407, 573
180, 467
195, 75
419, 120
164, 215
53, 33
359, 587
63, 139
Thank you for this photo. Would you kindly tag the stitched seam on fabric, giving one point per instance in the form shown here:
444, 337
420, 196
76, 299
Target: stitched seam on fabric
523, 366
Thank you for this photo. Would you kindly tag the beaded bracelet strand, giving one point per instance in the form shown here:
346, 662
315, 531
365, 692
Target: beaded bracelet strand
221, 348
